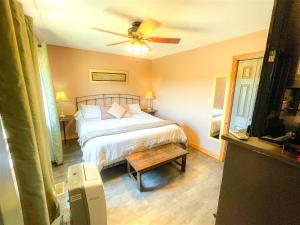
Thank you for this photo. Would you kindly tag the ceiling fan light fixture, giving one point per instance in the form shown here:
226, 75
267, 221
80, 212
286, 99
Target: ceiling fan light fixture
138, 47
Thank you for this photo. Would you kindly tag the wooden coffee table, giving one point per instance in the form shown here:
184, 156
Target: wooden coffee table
152, 158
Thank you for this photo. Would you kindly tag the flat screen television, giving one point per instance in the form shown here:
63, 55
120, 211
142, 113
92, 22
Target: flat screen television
277, 109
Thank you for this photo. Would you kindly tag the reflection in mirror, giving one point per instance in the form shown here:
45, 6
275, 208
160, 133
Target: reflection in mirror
217, 114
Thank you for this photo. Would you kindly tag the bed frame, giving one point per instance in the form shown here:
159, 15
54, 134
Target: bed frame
107, 99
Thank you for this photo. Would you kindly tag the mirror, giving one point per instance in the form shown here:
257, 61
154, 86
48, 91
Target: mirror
217, 107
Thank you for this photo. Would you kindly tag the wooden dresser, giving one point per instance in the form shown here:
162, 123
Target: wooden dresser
260, 185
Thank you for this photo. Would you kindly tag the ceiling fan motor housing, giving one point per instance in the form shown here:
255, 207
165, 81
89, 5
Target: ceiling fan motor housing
132, 31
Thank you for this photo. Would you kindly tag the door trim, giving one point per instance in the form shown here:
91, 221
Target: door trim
230, 95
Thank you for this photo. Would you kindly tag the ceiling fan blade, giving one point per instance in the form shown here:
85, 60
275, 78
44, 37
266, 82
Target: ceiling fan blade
121, 14
122, 42
110, 32
148, 46
164, 40
182, 27
147, 27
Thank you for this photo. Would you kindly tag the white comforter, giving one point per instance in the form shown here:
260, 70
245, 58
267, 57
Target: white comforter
109, 149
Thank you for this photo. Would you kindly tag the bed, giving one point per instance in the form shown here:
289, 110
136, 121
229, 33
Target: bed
107, 142
216, 121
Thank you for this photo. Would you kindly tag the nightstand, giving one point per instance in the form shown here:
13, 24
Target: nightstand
151, 112
63, 121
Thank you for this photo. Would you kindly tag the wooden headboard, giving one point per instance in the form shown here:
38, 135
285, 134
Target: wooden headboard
107, 99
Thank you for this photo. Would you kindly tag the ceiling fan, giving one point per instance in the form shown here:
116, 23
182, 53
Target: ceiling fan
138, 36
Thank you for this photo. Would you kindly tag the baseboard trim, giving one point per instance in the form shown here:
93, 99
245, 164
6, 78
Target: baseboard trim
205, 151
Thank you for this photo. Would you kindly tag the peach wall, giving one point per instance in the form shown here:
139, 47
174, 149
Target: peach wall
220, 91
183, 83
69, 68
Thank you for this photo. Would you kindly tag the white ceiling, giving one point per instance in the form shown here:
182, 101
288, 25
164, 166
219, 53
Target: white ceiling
69, 22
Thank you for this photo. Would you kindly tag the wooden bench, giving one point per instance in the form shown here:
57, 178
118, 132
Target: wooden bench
152, 158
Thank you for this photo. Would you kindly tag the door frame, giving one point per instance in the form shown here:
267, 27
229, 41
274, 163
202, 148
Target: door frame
230, 95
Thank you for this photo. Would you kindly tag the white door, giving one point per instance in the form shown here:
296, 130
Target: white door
247, 81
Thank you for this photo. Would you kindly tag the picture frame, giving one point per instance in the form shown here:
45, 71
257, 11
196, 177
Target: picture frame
108, 76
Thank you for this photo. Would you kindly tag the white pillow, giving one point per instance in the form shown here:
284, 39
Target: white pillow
91, 111
217, 112
128, 113
117, 110
134, 108
78, 115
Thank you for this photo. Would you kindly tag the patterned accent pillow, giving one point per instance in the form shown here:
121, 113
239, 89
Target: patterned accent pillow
128, 113
104, 114
117, 110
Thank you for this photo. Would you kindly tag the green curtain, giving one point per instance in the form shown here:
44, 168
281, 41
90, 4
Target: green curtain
51, 111
21, 109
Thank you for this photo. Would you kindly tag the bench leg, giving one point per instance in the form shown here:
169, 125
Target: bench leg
183, 163
139, 181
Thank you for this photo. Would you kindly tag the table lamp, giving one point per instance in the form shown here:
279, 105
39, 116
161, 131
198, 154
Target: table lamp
61, 97
150, 97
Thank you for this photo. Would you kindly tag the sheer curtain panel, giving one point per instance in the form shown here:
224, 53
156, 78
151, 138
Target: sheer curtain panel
50, 104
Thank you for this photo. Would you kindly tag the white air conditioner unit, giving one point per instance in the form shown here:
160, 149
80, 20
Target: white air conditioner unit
86, 195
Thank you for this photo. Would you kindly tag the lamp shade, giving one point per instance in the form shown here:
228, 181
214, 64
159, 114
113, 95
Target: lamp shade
61, 96
149, 95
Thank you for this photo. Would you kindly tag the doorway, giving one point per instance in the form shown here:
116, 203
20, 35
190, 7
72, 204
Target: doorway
243, 83
246, 85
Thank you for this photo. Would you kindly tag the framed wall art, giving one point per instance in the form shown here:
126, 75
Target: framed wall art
108, 76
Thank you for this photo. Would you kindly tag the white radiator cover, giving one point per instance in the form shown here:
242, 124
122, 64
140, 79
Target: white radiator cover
86, 195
